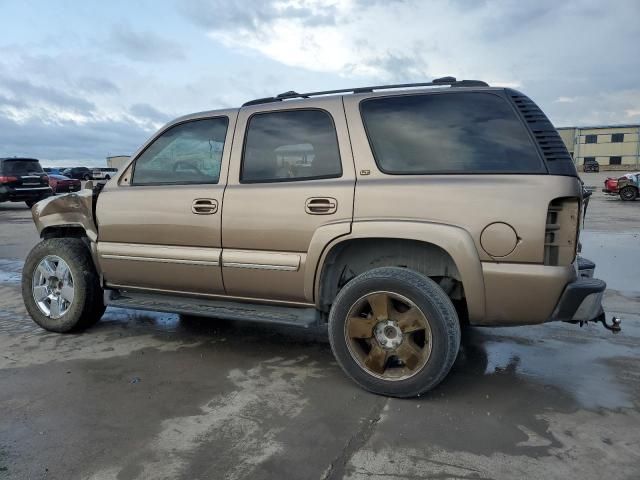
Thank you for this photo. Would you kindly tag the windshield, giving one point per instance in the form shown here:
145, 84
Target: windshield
21, 167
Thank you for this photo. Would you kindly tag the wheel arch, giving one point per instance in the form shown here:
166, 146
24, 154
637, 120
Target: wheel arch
433, 249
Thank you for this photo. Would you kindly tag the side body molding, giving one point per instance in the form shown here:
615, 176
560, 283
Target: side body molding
454, 240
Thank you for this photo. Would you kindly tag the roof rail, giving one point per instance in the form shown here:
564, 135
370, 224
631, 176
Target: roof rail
450, 81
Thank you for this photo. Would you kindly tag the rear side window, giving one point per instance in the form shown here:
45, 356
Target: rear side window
21, 167
290, 146
448, 133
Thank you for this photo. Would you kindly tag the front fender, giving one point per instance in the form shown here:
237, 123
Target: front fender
70, 210
454, 240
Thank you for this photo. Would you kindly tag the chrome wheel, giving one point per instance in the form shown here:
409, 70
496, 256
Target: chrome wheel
52, 286
388, 335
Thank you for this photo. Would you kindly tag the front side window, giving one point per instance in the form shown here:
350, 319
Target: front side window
190, 152
591, 139
289, 146
448, 133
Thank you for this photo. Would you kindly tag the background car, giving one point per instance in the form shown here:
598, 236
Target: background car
23, 180
60, 183
104, 173
80, 173
627, 186
54, 170
591, 166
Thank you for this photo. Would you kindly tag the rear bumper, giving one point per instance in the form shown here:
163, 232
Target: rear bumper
17, 194
522, 294
581, 301
67, 188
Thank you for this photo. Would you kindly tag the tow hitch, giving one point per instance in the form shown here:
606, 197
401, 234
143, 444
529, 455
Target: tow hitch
614, 326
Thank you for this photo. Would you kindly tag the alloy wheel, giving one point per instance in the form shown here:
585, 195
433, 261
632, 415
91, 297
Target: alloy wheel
52, 286
388, 335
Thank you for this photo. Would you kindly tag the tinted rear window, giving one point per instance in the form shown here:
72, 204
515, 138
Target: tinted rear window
448, 133
21, 167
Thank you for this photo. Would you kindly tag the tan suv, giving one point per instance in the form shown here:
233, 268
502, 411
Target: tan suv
394, 214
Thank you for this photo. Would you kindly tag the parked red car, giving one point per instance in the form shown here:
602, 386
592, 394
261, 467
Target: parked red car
60, 183
627, 186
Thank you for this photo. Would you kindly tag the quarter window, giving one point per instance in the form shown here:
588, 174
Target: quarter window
617, 137
448, 133
187, 153
591, 139
289, 146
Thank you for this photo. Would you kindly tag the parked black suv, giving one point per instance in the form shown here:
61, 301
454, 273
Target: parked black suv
591, 165
80, 173
23, 180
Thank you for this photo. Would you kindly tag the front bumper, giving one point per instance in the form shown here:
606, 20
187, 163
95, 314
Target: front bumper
581, 300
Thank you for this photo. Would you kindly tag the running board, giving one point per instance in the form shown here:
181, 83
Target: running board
254, 312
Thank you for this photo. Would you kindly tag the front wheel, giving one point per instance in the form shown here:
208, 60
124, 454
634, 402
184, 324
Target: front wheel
60, 286
394, 331
628, 193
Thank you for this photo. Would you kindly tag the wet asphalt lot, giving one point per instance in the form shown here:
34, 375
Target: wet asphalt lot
146, 395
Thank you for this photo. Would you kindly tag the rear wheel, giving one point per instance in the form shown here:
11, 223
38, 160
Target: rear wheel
31, 203
87, 177
60, 286
394, 331
628, 193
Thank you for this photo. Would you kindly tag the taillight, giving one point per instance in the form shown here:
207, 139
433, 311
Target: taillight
561, 231
5, 179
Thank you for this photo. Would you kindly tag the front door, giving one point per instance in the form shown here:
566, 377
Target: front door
291, 182
159, 225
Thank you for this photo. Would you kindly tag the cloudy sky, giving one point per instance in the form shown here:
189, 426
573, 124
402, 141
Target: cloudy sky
82, 80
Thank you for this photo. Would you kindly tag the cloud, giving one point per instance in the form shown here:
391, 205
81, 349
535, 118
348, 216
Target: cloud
145, 111
254, 15
96, 85
565, 99
143, 46
68, 140
22, 90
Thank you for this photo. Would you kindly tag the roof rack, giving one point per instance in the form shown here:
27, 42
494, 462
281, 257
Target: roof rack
450, 81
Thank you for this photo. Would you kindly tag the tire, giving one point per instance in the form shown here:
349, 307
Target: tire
107, 177
406, 287
628, 193
87, 305
31, 203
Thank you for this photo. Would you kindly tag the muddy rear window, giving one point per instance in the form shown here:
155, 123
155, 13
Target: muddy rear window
448, 133
21, 167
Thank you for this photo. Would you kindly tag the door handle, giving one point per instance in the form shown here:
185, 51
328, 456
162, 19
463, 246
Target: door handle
321, 206
204, 206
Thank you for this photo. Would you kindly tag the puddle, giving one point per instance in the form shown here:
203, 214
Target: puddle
579, 365
617, 258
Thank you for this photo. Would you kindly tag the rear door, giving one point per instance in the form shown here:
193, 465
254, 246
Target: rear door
159, 224
290, 191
